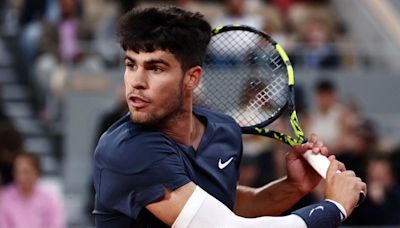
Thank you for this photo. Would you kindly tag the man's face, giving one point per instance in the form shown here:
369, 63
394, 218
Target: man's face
154, 86
325, 99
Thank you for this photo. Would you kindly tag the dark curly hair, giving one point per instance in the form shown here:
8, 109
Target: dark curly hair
183, 33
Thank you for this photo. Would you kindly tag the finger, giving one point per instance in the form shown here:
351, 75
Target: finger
325, 151
331, 157
341, 166
349, 173
316, 150
300, 149
333, 168
319, 143
296, 151
313, 138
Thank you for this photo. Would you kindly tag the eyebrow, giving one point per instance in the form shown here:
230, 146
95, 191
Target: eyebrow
150, 61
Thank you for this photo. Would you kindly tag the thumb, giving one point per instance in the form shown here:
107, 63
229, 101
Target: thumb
334, 167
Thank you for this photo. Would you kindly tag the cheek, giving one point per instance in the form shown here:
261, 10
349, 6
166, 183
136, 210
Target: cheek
167, 89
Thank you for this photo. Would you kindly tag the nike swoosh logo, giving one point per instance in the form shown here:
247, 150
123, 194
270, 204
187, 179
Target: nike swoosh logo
222, 165
316, 208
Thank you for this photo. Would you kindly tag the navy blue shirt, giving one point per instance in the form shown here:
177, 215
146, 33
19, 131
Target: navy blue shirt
133, 163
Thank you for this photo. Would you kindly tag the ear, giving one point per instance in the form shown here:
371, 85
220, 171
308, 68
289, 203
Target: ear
192, 78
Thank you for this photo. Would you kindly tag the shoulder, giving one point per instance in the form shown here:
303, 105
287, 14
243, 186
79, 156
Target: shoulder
125, 144
8, 193
222, 125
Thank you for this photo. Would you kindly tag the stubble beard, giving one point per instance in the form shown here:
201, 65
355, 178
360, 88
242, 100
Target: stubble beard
171, 111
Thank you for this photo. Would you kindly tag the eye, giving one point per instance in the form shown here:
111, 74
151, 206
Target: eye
130, 66
156, 69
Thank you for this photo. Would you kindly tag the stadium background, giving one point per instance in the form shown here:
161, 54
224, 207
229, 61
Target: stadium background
61, 71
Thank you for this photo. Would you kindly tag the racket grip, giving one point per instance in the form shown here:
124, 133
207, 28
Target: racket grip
320, 163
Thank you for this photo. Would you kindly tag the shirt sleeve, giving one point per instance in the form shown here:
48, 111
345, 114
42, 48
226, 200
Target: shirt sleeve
137, 173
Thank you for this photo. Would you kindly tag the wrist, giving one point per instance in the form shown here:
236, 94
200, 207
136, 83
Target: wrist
296, 187
322, 214
343, 214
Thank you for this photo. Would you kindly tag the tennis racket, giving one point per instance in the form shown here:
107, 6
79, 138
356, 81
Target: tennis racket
247, 75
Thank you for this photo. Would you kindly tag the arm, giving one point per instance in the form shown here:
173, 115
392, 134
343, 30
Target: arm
254, 202
203, 210
279, 196
190, 206
168, 208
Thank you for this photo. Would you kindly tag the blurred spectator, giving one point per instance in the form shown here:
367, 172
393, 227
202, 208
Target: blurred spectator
327, 118
31, 21
24, 203
210, 9
126, 5
112, 115
59, 46
382, 205
69, 48
285, 5
235, 13
3, 116
249, 171
105, 45
363, 144
1, 11
275, 25
302, 107
395, 159
258, 164
11, 144
316, 47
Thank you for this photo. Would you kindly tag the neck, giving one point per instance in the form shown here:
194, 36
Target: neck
185, 128
26, 192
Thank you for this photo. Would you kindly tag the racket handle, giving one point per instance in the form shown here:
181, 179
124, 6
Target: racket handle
320, 163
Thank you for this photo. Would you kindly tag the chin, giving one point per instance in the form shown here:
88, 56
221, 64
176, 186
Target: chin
143, 118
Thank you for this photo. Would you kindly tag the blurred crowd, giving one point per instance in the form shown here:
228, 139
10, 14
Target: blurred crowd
55, 36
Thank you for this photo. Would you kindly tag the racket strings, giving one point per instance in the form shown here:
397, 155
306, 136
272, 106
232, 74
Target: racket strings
244, 77
265, 96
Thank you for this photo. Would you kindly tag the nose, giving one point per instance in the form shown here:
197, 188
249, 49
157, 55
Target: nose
137, 79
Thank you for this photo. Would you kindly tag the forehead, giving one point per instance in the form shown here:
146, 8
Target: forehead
23, 161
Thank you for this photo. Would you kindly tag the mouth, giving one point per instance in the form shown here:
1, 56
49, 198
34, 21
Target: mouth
138, 101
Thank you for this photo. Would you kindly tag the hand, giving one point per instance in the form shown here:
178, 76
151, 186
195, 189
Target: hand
343, 186
300, 173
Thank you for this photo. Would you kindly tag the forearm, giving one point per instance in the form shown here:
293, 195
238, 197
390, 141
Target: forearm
271, 199
203, 210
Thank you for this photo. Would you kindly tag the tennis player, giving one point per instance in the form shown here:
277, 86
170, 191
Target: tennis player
169, 163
